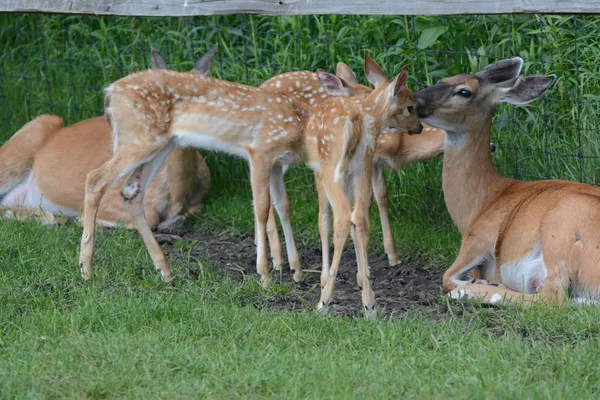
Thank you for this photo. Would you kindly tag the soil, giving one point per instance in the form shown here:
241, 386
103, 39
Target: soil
411, 286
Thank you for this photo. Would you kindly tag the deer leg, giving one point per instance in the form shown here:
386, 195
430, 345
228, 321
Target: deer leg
37, 214
341, 230
133, 200
274, 240
281, 202
474, 251
97, 182
491, 294
324, 227
360, 223
259, 178
381, 196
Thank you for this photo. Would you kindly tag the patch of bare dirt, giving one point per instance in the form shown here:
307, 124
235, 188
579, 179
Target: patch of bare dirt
409, 286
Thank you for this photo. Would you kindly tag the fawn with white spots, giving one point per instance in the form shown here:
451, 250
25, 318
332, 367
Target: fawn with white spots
152, 112
341, 136
44, 165
539, 240
393, 150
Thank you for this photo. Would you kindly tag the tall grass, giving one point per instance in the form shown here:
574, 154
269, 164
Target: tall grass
59, 64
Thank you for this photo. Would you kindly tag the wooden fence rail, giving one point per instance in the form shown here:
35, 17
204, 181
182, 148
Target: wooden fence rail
300, 7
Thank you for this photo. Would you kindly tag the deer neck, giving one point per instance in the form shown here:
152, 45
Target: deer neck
470, 181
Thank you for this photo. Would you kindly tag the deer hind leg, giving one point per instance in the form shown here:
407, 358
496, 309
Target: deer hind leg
125, 160
133, 199
259, 178
341, 230
381, 196
281, 202
36, 214
324, 227
274, 240
360, 223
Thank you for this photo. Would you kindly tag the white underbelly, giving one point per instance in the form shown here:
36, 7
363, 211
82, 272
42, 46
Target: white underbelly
208, 142
27, 195
526, 275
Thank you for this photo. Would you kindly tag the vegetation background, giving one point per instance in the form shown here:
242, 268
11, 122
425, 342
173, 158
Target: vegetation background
127, 335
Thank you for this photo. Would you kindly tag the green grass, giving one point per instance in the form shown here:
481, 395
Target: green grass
128, 335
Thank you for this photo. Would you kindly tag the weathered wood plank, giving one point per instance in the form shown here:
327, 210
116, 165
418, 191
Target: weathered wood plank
300, 7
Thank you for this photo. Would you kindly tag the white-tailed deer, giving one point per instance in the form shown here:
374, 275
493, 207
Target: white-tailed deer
153, 111
539, 240
394, 150
43, 168
341, 136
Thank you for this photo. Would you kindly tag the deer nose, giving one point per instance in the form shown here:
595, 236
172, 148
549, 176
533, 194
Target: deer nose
492, 147
417, 131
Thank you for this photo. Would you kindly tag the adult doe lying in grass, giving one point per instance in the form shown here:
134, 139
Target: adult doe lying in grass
540, 240
44, 165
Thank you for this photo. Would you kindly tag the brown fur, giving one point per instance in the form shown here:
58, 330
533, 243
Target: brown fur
61, 157
154, 110
394, 150
506, 222
340, 141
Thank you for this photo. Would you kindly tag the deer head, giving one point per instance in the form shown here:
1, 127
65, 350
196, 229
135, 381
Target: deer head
389, 97
462, 102
395, 96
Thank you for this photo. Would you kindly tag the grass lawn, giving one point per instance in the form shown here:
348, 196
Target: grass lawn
126, 334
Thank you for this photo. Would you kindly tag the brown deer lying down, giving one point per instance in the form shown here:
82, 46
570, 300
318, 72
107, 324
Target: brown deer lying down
538, 240
394, 150
44, 165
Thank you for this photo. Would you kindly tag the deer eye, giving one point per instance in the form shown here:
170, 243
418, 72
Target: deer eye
410, 109
463, 93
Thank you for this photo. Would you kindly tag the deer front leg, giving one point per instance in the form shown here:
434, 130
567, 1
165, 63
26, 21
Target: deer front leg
324, 227
281, 202
491, 294
259, 178
473, 252
381, 197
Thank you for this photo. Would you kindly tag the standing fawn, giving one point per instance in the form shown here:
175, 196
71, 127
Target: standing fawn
393, 150
153, 111
341, 136
540, 240
44, 165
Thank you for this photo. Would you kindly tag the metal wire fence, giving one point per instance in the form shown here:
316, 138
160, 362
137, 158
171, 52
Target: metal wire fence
59, 64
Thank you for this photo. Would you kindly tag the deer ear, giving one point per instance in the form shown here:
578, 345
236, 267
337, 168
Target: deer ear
157, 61
400, 82
332, 84
373, 72
503, 73
205, 62
344, 72
528, 89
